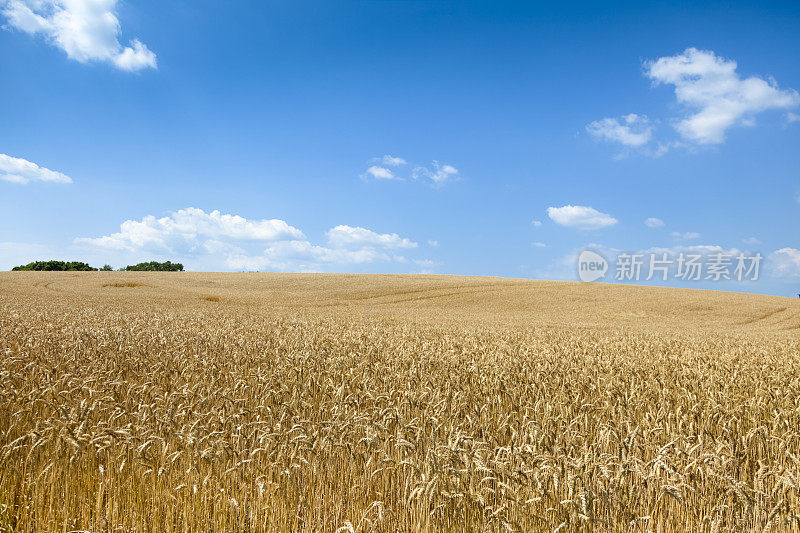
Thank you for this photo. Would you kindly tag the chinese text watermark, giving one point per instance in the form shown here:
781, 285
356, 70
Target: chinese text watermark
664, 266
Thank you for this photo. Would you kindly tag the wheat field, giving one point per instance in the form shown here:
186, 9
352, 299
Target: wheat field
266, 402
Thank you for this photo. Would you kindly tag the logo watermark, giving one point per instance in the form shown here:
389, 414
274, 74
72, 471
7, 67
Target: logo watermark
591, 266
717, 266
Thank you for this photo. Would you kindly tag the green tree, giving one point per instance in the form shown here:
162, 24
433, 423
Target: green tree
55, 266
154, 266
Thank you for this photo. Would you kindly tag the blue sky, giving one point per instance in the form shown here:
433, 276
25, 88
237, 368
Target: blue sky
255, 135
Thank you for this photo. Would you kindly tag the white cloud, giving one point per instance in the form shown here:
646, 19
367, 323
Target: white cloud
538, 244
792, 117
350, 237
536, 223
688, 236
630, 130
785, 263
751, 241
653, 222
16, 170
426, 266
390, 161
380, 173
580, 217
135, 57
302, 256
432, 242
189, 229
87, 30
216, 241
717, 97
439, 174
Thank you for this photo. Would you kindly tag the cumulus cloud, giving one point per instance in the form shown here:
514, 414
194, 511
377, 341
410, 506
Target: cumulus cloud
346, 246
439, 174
135, 57
580, 217
716, 96
751, 241
231, 242
350, 237
785, 263
87, 30
536, 223
653, 222
538, 244
379, 173
630, 130
302, 256
189, 229
17, 170
390, 161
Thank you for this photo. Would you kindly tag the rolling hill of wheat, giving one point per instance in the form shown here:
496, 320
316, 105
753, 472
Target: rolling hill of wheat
267, 402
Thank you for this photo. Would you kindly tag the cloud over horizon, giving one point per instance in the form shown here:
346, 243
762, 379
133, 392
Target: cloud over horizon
785, 263
232, 242
190, 228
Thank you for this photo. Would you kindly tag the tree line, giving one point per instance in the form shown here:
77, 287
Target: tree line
77, 266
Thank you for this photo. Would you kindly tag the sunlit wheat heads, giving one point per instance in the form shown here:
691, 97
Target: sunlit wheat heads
188, 404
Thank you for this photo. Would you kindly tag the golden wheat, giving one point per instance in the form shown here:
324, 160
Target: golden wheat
140, 402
